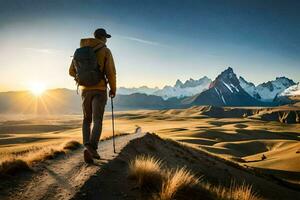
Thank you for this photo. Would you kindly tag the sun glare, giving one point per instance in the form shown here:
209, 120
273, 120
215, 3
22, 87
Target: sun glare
37, 89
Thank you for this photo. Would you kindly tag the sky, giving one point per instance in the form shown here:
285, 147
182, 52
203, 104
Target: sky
154, 43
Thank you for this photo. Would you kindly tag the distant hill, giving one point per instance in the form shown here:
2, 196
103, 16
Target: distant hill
56, 101
65, 101
144, 101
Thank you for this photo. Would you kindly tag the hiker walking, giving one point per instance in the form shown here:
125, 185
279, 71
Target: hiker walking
93, 67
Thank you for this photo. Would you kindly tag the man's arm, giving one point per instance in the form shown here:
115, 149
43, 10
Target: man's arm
110, 72
72, 71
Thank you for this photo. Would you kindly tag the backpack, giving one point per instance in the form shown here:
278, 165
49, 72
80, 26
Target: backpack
88, 71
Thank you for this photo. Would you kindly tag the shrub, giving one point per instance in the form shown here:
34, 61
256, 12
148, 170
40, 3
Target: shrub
13, 166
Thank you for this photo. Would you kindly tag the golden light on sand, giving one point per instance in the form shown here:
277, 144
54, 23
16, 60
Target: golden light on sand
37, 89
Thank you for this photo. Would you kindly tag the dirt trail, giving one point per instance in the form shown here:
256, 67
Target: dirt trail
63, 177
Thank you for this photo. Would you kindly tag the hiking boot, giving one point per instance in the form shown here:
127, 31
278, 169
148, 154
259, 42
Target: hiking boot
93, 152
88, 158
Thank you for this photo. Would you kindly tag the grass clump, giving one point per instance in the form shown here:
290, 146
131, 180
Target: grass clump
72, 145
12, 166
147, 171
234, 192
53, 153
181, 184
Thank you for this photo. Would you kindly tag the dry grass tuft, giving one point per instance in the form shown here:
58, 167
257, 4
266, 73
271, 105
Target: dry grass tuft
179, 184
21, 161
72, 145
147, 171
168, 184
235, 192
243, 191
10, 167
53, 153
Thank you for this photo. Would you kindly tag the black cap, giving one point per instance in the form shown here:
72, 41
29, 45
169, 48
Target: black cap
101, 32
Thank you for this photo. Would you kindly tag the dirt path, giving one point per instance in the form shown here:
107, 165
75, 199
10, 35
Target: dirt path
62, 178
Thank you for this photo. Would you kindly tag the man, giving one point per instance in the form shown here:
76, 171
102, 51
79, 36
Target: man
94, 97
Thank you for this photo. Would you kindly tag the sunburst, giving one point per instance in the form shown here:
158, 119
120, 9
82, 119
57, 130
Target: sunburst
37, 89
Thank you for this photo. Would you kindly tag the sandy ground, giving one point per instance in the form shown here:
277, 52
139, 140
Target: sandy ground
70, 178
240, 140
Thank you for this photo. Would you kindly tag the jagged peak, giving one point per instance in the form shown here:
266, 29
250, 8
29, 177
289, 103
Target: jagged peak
282, 80
229, 69
227, 76
290, 81
205, 77
194, 83
241, 79
178, 83
282, 77
228, 73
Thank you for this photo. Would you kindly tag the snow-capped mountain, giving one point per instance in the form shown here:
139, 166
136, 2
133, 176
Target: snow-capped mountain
179, 90
266, 91
142, 90
249, 88
290, 95
189, 88
291, 91
225, 90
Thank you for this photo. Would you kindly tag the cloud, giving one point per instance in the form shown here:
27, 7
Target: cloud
41, 50
148, 42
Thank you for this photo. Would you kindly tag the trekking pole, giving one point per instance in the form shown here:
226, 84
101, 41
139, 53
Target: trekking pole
113, 123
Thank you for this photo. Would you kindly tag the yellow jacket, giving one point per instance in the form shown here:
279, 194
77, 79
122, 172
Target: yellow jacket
106, 63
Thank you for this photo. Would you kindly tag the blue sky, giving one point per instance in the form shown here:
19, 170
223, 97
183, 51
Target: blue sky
153, 42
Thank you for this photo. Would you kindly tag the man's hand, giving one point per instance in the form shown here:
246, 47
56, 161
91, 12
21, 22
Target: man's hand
112, 94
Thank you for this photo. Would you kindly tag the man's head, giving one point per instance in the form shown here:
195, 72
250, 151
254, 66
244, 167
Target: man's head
101, 34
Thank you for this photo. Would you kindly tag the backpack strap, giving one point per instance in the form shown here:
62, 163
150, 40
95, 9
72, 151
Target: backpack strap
98, 47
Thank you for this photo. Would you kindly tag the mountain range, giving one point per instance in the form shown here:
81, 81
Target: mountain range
188, 88
226, 90
268, 91
264, 92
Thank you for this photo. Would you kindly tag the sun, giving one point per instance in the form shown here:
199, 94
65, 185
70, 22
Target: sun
37, 89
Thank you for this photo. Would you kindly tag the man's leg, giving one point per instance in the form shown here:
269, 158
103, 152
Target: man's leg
98, 107
87, 116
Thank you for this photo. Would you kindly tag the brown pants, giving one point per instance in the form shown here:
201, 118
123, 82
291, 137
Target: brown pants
93, 106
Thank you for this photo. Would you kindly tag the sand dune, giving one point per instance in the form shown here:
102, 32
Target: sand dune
236, 137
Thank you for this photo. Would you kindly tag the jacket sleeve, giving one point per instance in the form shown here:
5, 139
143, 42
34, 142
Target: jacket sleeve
72, 71
110, 71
